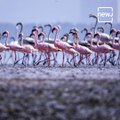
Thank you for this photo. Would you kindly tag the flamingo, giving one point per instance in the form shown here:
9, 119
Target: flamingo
114, 35
13, 46
118, 32
93, 47
44, 46
2, 48
64, 46
81, 49
26, 48
104, 48
50, 40
104, 37
71, 51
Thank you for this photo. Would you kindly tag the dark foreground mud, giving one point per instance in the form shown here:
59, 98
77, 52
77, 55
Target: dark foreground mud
42, 93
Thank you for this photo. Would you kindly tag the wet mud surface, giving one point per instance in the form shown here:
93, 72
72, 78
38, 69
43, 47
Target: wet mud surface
56, 93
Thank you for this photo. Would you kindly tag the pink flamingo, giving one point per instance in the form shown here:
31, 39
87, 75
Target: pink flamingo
118, 32
2, 47
50, 40
115, 45
113, 34
64, 46
43, 46
13, 46
71, 51
104, 48
81, 49
26, 48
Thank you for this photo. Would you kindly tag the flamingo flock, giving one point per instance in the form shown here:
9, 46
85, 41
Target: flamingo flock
39, 47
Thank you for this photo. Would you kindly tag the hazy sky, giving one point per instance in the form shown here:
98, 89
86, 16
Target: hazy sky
50, 11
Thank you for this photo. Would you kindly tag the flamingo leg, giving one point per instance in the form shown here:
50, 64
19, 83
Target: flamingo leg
54, 57
118, 59
48, 58
38, 61
74, 60
15, 57
63, 59
105, 59
97, 58
81, 58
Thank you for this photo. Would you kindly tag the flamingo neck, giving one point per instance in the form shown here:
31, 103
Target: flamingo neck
49, 33
55, 37
91, 43
36, 39
6, 41
95, 25
43, 39
86, 31
21, 41
98, 41
76, 41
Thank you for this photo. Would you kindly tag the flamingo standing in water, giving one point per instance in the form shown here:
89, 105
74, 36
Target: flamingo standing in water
81, 49
104, 48
118, 32
2, 47
26, 48
50, 40
71, 51
13, 46
44, 46
114, 35
64, 46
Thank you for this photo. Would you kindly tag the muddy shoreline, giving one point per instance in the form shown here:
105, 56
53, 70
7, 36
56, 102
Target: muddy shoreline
55, 93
